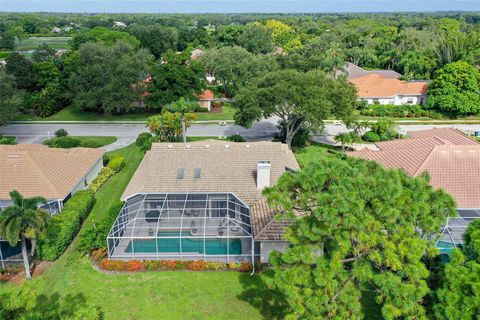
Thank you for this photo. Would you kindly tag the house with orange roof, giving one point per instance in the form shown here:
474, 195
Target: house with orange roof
377, 89
452, 161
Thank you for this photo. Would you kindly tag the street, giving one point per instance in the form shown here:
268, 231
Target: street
127, 133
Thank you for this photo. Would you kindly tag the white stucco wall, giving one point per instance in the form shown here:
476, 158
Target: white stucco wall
398, 100
266, 247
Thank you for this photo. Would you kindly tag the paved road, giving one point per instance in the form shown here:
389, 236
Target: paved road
127, 133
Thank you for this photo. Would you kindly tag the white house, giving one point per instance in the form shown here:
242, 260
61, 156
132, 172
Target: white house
377, 89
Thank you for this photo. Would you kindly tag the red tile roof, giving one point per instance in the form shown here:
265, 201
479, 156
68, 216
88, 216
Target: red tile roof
206, 95
377, 86
451, 159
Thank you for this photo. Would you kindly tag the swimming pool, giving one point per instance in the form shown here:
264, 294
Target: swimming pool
212, 246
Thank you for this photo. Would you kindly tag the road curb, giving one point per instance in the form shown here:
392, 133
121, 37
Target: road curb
111, 122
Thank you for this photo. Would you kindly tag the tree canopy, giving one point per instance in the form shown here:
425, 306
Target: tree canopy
175, 77
455, 89
297, 98
459, 297
106, 77
357, 231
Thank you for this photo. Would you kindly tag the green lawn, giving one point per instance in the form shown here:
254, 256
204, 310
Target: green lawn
149, 295
32, 43
314, 152
88, 141
73, 113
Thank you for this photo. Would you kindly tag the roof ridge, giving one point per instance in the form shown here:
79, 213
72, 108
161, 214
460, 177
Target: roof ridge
40, 170
424, 162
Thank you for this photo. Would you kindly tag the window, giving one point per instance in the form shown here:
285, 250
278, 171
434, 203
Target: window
410, 100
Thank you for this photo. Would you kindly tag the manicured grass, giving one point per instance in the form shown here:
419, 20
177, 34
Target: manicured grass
314, 152
32, 43
150, 295
88, 141
73, 113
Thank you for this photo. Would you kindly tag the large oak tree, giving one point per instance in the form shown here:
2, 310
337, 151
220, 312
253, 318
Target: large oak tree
297, 98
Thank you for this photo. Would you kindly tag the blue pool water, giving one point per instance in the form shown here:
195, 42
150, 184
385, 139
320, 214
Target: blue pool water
212, 246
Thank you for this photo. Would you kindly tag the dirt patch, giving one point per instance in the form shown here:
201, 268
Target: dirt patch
40, 268
216, 109
15, 273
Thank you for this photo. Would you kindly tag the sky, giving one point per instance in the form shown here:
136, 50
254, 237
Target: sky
236, 6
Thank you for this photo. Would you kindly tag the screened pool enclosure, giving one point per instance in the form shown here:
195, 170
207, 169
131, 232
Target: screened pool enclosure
182, 226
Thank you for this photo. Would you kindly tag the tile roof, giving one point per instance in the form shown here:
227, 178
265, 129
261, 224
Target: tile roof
377, 86
206, 95
225, 167
451, 159
446, 134
353, 71
37, 170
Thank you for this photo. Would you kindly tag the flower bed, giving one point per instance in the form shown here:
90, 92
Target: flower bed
165, 265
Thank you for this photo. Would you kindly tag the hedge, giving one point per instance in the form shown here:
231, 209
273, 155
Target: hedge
101, 178
398, 111
63, 142
116, 163
95, 233
64, 226
142, 139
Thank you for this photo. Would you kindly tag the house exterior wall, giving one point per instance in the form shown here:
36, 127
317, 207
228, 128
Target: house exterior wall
85, 181
267, 247
398, 100
205, 104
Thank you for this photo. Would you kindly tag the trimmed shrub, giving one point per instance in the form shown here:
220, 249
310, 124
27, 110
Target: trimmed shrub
236, 138
116, 164
371, 136
197, 265
63, 142
101, 178
142, 138
200, 109
95, 232
61, 133
168, 265
65, 225
135, 265
7, 140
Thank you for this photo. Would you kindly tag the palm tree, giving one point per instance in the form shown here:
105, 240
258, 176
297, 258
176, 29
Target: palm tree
183, 107
23, 220
347, 139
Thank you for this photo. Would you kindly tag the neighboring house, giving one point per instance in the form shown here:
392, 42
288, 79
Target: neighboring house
206, 98
55, 174
119, 24
209, 74
37, 170
140, 102
202, 201
56, 30
452, 161
376, 89
352, 71
384, 86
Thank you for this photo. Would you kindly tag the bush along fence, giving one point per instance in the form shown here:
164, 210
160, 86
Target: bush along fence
114, 165
64, 226
98, 256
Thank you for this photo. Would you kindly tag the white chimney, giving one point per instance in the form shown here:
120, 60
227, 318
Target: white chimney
263, 174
